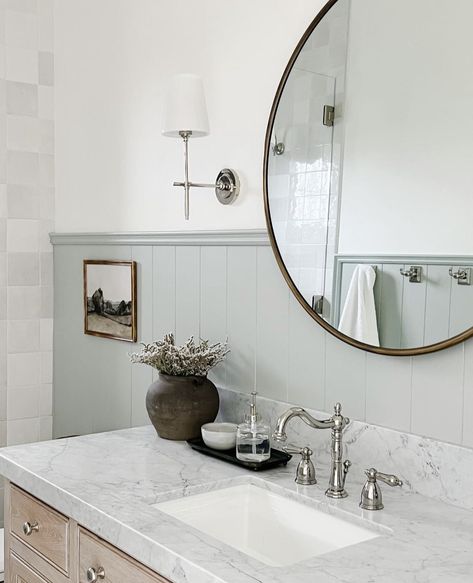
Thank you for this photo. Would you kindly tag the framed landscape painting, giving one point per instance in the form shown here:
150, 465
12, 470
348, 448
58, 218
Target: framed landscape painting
110, 299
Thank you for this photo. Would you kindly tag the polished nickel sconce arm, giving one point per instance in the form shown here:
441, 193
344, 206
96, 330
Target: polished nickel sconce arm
227, 185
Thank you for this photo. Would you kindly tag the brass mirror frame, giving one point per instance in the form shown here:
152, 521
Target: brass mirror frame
267, 151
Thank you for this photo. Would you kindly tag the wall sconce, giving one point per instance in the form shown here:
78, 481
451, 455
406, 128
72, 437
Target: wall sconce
186, 117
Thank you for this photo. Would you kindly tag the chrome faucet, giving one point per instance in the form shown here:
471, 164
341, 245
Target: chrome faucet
338, 468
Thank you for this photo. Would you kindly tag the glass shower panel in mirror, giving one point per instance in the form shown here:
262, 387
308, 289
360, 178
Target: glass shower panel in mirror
305, 161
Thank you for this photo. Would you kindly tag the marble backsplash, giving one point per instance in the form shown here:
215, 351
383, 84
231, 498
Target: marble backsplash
432, 468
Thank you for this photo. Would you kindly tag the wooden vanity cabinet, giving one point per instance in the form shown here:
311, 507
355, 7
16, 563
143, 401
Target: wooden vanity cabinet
44, 546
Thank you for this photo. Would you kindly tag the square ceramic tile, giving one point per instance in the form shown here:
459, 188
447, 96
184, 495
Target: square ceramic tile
46, 170
46, 400
22, 168
2, 62
21, 65
23, 370
3, 269
3, 201
22, 5
23, 202
21, 98
46, 136
46, 367
47, 301
46, 69
21, 30
47, 203
23, 336
23, 133
23, 303
46, 25
3, 235
23, 403
45, 428
46, 102
46, 269
21, 431
22, 235
46, 328
23, 269
45, 228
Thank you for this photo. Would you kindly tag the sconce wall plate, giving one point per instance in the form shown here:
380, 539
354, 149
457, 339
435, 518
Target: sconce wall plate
227, 187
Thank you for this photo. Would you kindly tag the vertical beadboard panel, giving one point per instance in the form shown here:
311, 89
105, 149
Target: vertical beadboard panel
306, 375
437, 394
345, 377
142, 375
164, 291
213, 302
241, 318
187, 293
413, 311
437, 305
461, 307
391, 303
467, 437
389, 391
272, 307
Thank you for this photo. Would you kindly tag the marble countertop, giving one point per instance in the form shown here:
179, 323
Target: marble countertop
108, 481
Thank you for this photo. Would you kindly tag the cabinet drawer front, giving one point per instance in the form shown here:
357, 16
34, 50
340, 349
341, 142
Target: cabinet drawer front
21, 573
110, 565
41, 528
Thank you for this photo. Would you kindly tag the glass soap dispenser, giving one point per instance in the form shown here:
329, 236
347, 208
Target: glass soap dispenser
253, 437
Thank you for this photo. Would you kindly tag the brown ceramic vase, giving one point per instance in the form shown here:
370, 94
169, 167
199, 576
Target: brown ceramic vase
178, 406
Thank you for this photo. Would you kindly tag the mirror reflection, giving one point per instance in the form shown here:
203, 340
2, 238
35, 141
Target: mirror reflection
370, 171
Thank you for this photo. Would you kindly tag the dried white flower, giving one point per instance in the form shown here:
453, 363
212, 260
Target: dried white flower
186, 360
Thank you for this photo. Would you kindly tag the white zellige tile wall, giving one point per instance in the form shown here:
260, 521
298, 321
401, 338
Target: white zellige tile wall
216, 288
26, 218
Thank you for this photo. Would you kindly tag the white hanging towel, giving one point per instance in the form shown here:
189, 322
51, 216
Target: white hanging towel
359, 312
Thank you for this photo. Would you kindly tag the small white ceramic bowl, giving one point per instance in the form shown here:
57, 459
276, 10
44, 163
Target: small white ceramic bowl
219, 435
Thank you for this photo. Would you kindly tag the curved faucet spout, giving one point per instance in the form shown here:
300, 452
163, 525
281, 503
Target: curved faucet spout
280, 432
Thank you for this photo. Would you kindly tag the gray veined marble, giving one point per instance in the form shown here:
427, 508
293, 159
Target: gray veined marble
107, 483
432, 468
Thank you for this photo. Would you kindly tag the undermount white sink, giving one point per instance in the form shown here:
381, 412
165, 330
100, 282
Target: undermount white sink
277, 531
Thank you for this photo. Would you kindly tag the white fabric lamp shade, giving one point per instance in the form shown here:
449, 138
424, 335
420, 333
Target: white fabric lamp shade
185, 108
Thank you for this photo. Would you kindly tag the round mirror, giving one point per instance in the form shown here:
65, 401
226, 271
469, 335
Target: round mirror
369, 173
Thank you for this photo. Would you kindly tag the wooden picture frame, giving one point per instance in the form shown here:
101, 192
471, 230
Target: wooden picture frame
105, 315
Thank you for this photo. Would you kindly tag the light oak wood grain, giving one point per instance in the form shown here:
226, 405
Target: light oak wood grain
51, 541
61, 551
21, 573
118, 567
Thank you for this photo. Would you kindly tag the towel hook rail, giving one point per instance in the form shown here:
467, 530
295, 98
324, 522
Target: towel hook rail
462, 275
414, 273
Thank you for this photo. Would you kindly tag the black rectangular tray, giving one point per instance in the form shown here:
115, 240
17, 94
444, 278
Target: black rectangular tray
277, 458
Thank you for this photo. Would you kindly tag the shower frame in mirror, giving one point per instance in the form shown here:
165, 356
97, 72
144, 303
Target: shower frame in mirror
267, 151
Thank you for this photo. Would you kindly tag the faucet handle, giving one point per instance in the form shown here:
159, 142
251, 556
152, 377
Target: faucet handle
305, 473
371, 496
389, 479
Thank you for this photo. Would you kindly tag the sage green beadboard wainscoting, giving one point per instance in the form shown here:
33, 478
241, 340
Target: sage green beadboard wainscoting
219, 284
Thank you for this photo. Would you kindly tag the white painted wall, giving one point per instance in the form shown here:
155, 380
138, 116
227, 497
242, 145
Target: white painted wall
114, 170
408, 154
